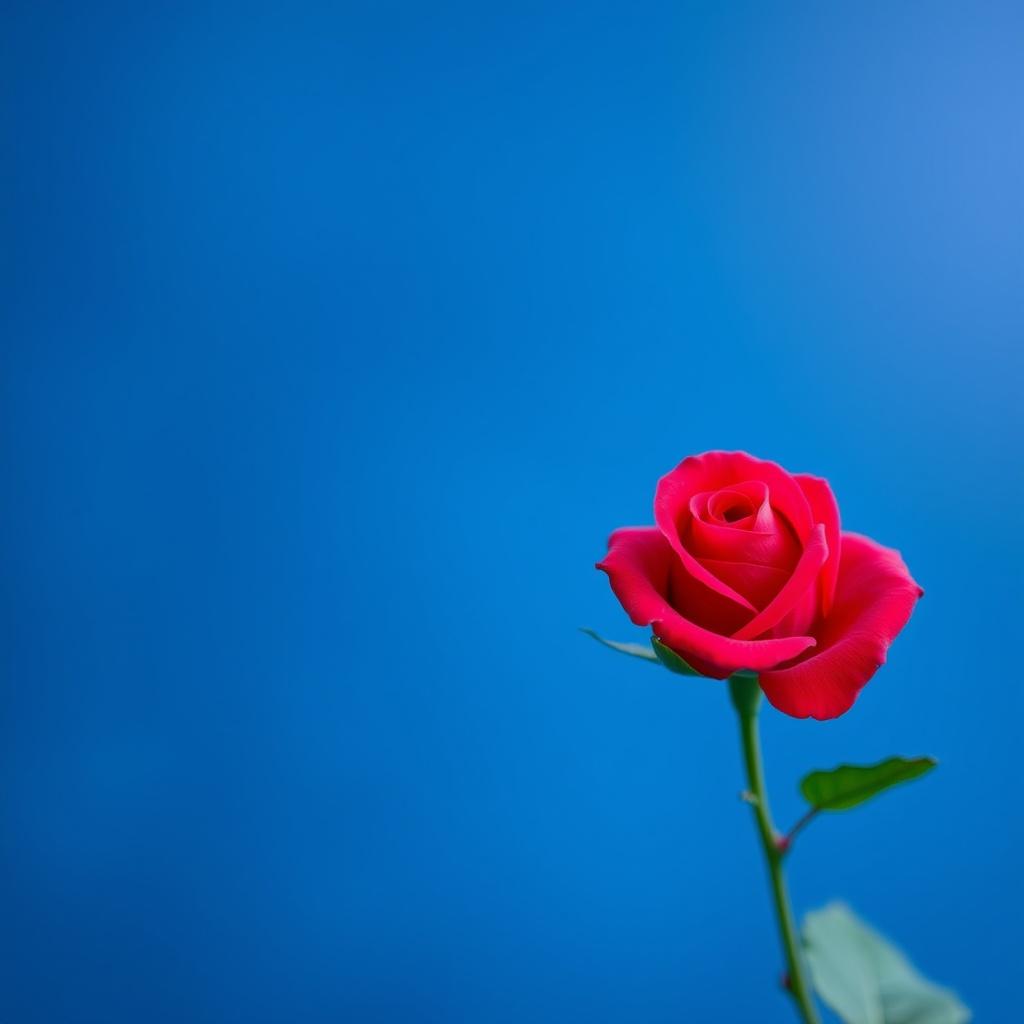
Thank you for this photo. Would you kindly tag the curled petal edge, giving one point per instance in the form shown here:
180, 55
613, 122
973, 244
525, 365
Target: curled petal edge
875, 596
637, 565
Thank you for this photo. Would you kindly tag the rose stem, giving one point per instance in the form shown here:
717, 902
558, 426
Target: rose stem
785, 842
746, 698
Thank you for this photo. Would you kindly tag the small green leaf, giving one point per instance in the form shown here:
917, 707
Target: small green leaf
866, 979
635, 650
671, 660
657, 652
851, 784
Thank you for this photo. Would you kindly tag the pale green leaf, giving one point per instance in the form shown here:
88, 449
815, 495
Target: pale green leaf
634, 650
866, 979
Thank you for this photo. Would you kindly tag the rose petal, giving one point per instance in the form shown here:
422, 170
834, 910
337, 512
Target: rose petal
875, 595
803, 579
713, 471
701, 604
757, 583
772, 543
824, 509
638, 565
750, 494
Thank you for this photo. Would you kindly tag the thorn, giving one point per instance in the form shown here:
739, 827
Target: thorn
785, 981
782, 844
748, 798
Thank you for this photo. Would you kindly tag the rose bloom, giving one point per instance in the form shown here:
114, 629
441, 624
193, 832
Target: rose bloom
747, 568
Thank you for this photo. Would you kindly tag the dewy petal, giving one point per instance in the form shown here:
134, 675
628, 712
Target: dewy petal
824, 509
638, 564
804, 577
713, 471
875, 595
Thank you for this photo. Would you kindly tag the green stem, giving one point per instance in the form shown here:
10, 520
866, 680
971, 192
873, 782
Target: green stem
746, 698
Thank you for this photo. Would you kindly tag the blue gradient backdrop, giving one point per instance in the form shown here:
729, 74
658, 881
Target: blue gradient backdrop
335, 341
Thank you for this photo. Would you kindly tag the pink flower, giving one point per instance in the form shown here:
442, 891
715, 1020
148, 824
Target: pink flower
747, 568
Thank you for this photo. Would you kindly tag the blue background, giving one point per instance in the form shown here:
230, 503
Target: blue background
335, 342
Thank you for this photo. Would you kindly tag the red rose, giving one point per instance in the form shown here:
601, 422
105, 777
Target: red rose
748, 569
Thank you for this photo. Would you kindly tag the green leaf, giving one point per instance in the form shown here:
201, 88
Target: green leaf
866, 979
635, 650
657, 652
852, 784
671, 660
